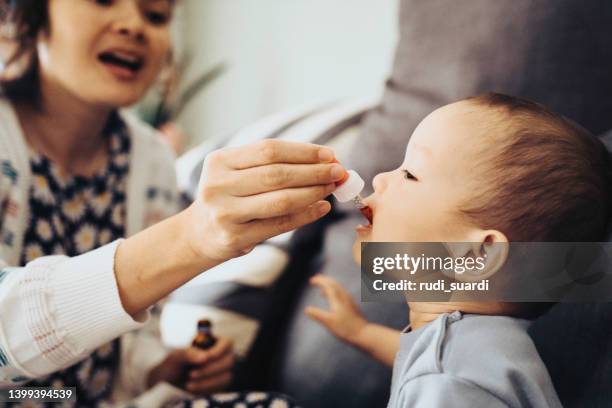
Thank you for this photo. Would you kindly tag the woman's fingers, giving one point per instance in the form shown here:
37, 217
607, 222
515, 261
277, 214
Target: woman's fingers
273, 177
197, 356
272, 151
251, 193
210, 384
278, 203
215, 367
259, 230
214, 371
222, 347
194, 356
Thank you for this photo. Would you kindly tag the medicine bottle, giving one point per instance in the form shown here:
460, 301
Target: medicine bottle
204, 338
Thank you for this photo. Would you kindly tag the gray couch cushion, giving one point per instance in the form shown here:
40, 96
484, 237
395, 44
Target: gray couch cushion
557, 52
575, 342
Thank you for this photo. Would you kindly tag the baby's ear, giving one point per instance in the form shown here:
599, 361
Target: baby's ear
488, 252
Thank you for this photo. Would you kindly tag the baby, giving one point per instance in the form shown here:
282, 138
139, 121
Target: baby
488, 169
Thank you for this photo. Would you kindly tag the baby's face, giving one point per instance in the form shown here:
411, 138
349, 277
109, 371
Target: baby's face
420, 201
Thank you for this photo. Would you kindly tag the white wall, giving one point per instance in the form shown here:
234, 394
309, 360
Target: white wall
283, 53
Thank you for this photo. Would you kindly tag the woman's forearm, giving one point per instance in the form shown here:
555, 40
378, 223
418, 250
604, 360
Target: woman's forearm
380, 342
154, 262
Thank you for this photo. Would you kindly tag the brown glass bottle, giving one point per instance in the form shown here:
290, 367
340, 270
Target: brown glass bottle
204, 338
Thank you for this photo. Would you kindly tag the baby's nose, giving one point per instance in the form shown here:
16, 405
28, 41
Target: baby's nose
379, 182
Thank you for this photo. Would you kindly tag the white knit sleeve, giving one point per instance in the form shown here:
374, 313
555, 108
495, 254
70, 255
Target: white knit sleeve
141, 350
56, 310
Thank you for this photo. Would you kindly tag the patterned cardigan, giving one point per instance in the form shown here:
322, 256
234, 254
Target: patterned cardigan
52, 314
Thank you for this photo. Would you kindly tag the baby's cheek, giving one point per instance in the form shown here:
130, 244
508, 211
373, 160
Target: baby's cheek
391, 228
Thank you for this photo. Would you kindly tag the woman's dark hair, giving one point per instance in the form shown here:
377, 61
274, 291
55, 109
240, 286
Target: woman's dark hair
21, 22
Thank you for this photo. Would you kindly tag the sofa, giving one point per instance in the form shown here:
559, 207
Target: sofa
558, 52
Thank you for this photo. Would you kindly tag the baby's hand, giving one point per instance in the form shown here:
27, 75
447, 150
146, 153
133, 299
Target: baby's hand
343, 319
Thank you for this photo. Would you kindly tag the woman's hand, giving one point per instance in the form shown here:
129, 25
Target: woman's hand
251, 193
343, 319
246, 195
198, 371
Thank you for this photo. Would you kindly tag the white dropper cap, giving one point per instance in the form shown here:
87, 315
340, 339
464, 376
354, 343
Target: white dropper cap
350, 188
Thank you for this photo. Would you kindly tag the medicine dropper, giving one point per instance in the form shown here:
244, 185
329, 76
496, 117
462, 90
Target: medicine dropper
349, 189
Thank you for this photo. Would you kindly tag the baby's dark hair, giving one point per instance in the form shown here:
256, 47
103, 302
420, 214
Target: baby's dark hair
548, 178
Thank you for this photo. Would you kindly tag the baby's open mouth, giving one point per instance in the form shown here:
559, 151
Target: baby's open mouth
367, 213
121, 59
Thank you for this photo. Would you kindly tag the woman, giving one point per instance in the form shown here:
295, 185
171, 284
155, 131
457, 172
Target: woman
77, 176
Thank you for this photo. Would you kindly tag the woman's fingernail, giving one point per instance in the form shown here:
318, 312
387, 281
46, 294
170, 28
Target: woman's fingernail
247, 250
330, 187
337, 172
326, 155
322, 207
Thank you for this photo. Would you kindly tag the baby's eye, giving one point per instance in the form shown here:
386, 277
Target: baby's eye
408, 175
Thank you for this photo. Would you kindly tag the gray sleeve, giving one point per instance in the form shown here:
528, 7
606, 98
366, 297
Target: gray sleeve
443, 390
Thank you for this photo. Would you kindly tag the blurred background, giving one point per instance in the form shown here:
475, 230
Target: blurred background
250, 58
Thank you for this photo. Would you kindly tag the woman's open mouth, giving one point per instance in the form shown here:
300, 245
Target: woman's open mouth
122, 64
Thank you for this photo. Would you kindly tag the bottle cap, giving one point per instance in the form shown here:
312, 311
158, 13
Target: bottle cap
203, 323
350, 188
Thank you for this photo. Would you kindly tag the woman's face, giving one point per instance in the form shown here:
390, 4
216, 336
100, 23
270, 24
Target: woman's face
420, 201
105, 52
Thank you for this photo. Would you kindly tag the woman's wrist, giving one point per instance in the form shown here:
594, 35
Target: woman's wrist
156, 261
188, 248
195, 242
